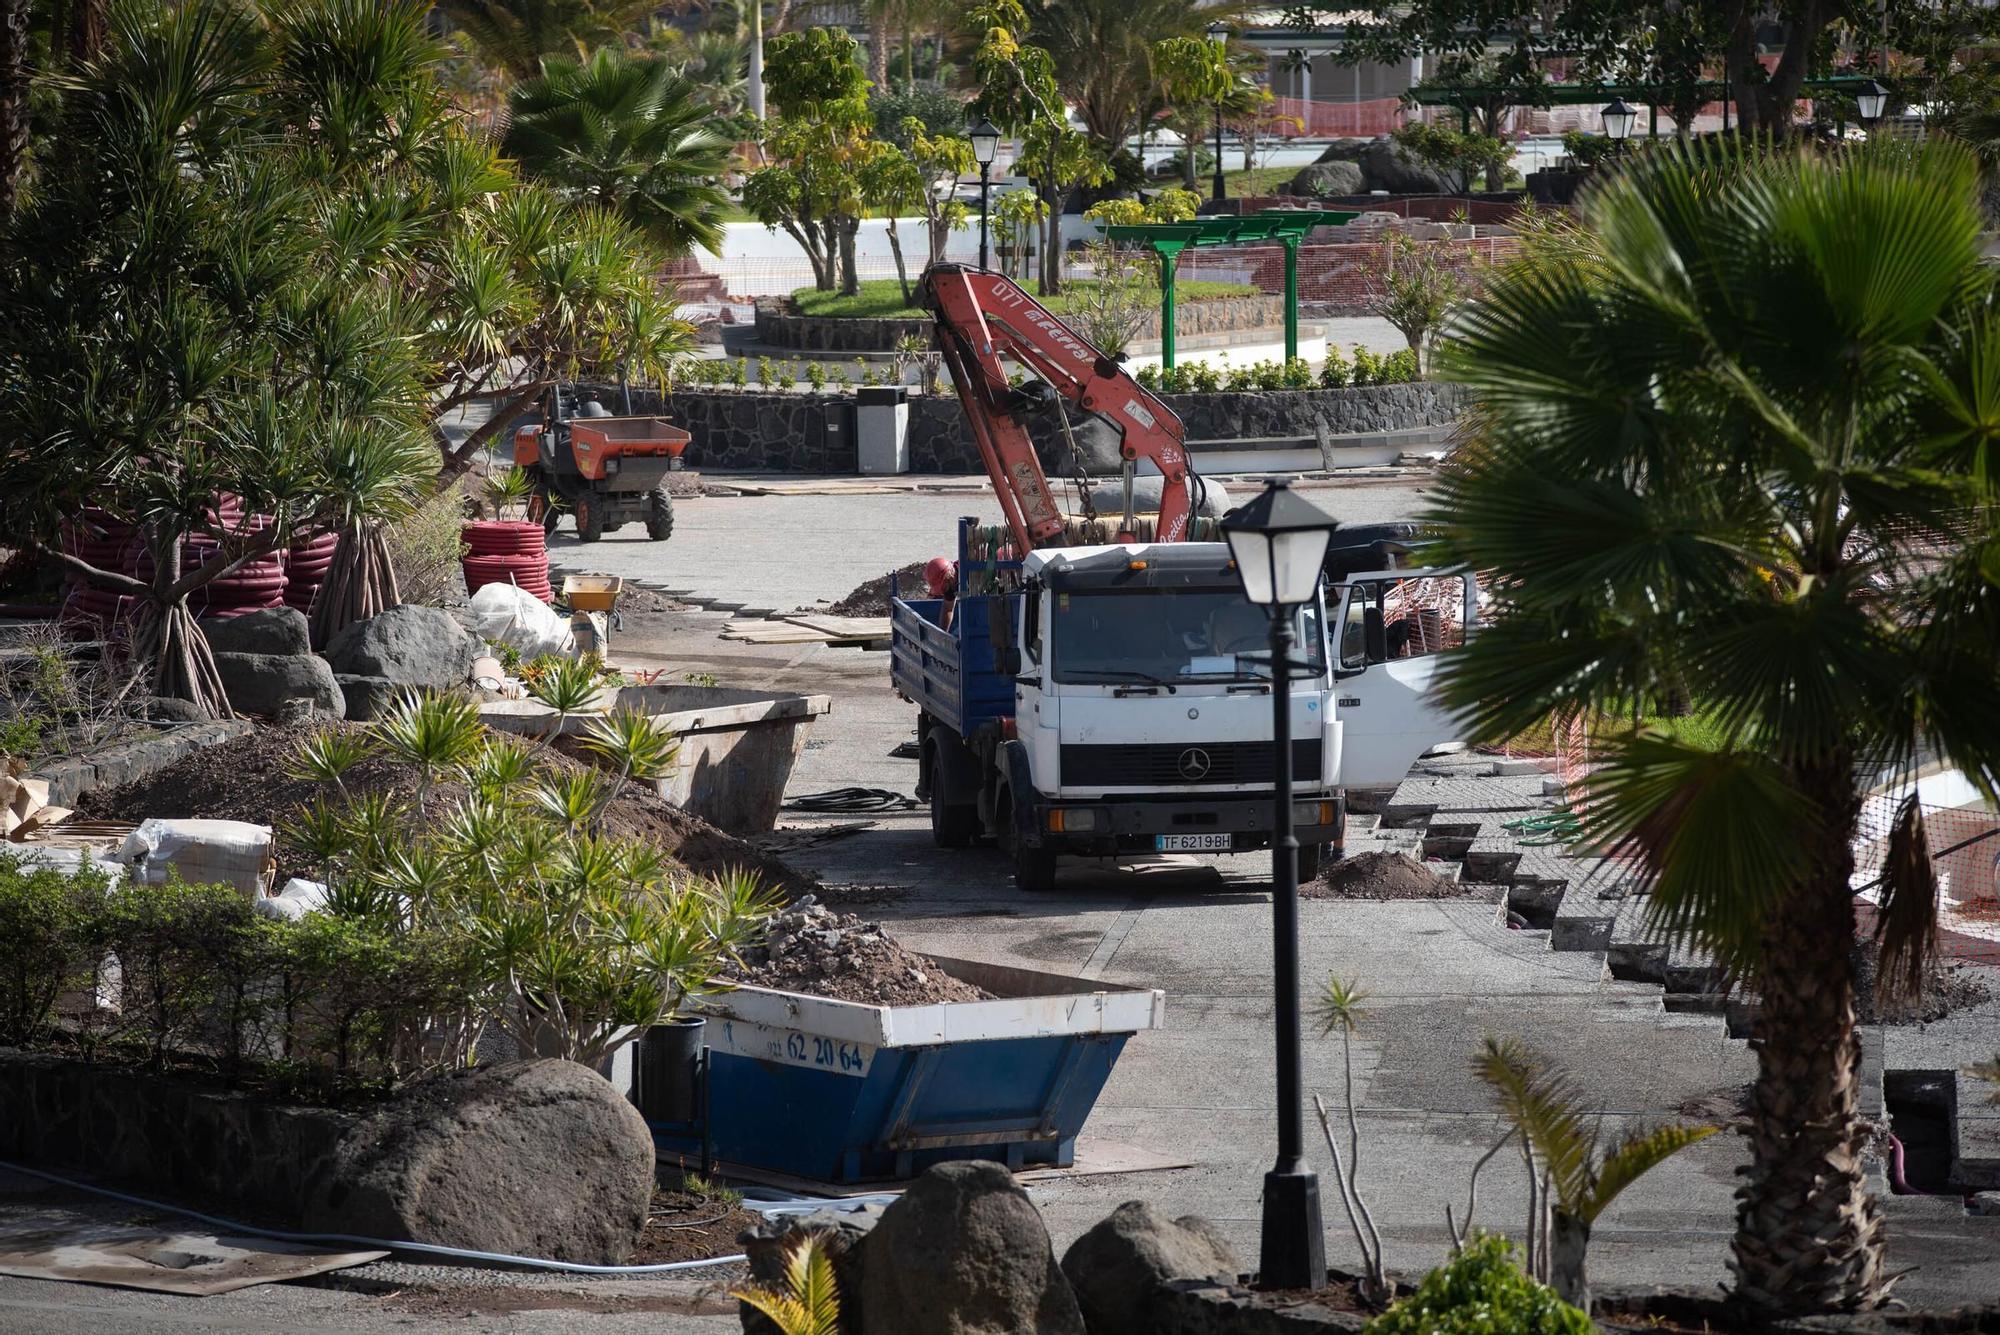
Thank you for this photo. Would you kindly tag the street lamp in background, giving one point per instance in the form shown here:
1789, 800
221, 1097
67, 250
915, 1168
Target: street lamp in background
985, 138
1279, 541
1869, 100
1618, 121
1219, 34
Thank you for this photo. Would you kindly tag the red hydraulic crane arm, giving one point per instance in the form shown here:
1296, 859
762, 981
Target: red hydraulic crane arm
983, 317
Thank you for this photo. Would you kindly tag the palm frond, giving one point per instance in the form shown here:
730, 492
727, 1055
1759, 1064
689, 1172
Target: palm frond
1635, 1156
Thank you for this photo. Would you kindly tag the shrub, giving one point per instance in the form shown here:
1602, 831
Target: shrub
766, 377
1240, 378
425, 548
816, 376
1200, 378
1481, 1292
572, 936
1334, 372
1268, 375
739, 373
1399, 367
48, 944
1297, 373
1149, 376
54, 702
1367, 367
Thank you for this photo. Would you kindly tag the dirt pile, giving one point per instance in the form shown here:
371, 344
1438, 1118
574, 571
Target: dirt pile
1380, 875
246, 779
872, 598
1947, 989
809, 948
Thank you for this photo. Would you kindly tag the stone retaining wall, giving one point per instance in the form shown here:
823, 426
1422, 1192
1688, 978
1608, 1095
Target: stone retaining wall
788, 432
836, 334
173, 1134
128, 762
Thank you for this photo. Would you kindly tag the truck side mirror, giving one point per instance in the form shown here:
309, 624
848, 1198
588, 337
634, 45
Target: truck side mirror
1374, 635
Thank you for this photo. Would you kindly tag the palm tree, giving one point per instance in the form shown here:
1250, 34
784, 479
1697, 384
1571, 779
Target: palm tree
1737, 443
514, 35
629, 134
1103, 53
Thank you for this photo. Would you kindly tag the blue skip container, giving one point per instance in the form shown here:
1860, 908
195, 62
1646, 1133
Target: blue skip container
843, 1092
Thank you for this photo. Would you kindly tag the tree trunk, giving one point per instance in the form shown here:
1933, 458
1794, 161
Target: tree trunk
896, 249
1808, 1235
1190, 169
13, 102
169, 642
1052, 229
86, 30
1569, 1239
850, 281
878, 46
360, 583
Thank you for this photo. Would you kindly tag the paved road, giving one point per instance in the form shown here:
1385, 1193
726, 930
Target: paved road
790, 551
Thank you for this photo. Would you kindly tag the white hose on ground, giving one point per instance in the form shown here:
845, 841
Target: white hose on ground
427, 1248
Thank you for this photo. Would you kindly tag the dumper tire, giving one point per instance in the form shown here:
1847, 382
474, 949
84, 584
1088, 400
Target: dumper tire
659, 515
589, 511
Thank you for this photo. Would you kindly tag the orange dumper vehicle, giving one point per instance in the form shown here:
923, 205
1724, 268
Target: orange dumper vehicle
607, 471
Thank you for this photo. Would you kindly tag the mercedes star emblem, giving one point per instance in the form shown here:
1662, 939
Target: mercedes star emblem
1194, 763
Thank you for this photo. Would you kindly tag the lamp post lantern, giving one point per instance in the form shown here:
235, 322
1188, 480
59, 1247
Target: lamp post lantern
1869, 100
1219, 34
1279, 542
1618, 120
985, 138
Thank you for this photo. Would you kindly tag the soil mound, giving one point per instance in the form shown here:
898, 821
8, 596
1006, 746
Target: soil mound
809, 948
1947, 989
245, 779
1379, 875
872, 598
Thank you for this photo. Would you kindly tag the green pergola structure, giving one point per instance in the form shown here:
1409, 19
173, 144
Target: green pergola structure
1168, 240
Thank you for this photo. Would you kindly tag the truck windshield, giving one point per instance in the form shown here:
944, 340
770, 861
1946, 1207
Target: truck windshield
1170, 635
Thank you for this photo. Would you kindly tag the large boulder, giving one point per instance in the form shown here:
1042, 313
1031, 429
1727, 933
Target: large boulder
1323, 179
1118, 1267
770, 1244
368, 698
411, 645
264, 683
1344, 150
1212, 502
964, 1252
269, 630
1386, 166
534, 1158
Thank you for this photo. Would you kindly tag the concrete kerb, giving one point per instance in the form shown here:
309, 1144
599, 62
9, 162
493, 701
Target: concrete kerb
128, 762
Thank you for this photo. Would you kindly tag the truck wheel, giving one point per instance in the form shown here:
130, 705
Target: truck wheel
1034, 870
589, 518
659, 515
1310, 858
952, 825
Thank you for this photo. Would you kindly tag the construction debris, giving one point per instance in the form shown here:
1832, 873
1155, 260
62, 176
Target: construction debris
809, 948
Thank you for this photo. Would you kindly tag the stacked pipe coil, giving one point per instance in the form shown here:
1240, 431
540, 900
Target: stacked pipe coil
506, 551
109, 545
306, 563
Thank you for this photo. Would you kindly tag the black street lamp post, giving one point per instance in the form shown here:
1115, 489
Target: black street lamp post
985, 138
1219, 34
1618, 120
1279, 541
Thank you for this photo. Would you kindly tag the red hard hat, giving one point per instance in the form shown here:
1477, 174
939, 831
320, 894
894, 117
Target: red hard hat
940, 573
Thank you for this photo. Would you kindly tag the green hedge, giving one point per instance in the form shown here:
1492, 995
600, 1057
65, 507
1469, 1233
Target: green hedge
1367, 368
319, 1006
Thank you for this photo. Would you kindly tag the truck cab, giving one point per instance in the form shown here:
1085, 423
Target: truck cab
1116, 700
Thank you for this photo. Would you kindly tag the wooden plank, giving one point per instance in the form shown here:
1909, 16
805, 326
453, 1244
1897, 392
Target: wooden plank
842, 628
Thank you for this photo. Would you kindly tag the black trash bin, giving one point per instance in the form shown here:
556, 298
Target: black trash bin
836, 437
670, 1070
